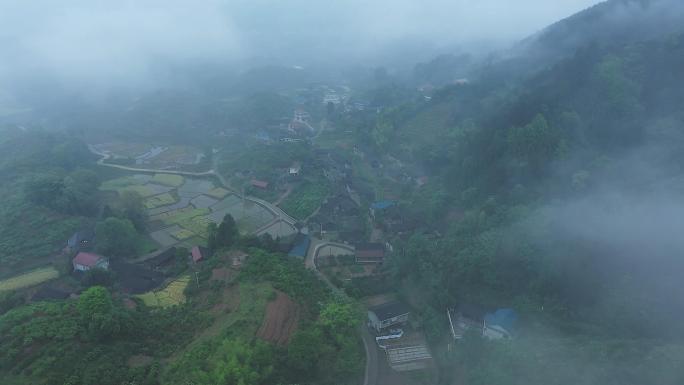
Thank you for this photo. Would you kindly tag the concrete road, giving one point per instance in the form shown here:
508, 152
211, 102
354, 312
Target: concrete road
371, 373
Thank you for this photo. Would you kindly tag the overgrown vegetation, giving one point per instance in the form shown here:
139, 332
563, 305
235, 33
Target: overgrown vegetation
46, 196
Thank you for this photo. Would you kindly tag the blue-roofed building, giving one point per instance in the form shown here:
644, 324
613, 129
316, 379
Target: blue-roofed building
499, 324
80, 240
380, 206
301, 246
493, 325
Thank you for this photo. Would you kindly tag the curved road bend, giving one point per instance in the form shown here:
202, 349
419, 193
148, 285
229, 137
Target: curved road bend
371, 373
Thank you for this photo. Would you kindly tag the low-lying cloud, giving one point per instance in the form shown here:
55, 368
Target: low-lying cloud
97, 41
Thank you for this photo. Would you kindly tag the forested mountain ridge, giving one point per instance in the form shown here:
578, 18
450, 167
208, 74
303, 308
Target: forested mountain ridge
569, 179
609, 23
47, 193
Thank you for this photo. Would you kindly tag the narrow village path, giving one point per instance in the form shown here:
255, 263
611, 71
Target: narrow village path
372, 367
285, 195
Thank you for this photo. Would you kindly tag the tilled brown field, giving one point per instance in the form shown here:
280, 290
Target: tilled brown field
280, 321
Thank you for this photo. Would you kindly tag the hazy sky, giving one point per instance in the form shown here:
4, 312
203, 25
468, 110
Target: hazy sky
101, 41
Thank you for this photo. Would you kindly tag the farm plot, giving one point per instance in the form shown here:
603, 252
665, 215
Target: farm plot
157, 188
132, 183
218, 193
164, 237
182, 203
182, 234
180, 209
227, 203
280, 320
29, 279
170, 180
174, 156
248, 215
197, 225
172, 294
203, 202
188, 222
120, 183
178, 216
160, 200
193, 187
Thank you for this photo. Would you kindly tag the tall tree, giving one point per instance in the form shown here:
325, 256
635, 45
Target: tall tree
225, 235
116, 237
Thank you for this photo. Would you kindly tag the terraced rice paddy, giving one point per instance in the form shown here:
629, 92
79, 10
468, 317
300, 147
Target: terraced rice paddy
172, 294
160, 200
29, 279
181, 213
218, 193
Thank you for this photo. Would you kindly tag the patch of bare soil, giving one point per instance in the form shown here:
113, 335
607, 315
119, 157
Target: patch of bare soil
221, 274
280, 320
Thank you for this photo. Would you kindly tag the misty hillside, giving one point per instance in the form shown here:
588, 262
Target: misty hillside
547, 168
612, 23
208, 212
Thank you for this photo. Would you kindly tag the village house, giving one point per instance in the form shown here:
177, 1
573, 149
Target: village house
301, 116
198, 253
377, 208
370, 253
295, 169
300, 246
84, 261
389, 314
492, 325
80, 240
300, 123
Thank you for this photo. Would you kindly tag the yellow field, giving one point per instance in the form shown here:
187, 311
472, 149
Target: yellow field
218, 193
182, 234
171, 295
170, 180
159, 200
31, 278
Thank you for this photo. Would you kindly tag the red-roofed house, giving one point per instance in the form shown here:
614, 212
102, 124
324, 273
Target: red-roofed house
259, 183
197, 254
85, 261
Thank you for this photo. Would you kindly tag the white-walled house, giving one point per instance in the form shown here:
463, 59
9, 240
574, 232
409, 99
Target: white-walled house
388, 314
86, 261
